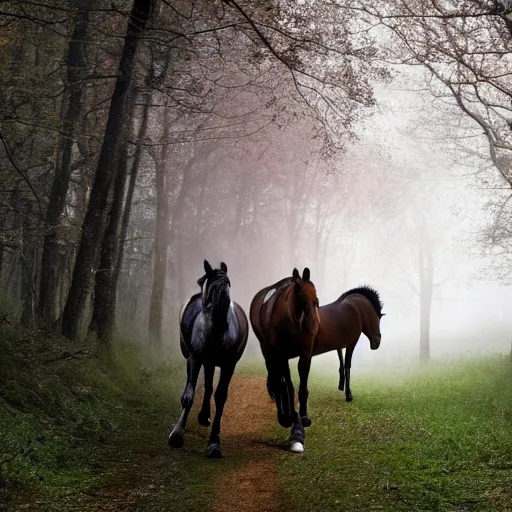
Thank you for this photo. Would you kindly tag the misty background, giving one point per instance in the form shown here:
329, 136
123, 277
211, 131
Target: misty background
304, 138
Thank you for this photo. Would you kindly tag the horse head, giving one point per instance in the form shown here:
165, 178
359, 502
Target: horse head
371, 314
306, 303
215, 286
373, 332
303, 308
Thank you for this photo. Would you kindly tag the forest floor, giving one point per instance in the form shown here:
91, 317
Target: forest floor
157, 478
82, 432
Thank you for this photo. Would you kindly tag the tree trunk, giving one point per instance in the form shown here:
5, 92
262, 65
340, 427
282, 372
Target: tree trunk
94, 222
103, 316
296, 214
105, 297
105, 292
28, 268
76, 67
131, 187
241, 205
426, 267
162, 233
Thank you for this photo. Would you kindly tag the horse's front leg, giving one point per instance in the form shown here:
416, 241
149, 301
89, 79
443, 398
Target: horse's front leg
221, 394
304, 367
204, 414
187, 398
348, 364
297, 436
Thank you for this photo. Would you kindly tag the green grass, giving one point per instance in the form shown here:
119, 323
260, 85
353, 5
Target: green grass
80, 430
440, 440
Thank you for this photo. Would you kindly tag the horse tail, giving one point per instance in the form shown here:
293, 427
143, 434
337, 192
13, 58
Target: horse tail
183, 346
184, 349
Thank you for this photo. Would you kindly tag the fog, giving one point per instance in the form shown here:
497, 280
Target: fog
323, 142
393, 171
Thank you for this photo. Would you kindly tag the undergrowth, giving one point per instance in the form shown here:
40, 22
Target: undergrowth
78, 428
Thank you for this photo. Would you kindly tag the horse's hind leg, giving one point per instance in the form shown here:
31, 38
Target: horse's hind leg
304, 366
204, 414
341, 384
221, 393
187, 398
348, 364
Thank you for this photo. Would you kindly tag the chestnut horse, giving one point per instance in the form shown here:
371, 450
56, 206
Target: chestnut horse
213, 332
341, 323
335, 326
284, 317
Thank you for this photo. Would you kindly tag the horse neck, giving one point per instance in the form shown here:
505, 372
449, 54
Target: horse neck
345, 308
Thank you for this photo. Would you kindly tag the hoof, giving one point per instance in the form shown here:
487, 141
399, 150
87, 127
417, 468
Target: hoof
341, 387
296, 447
203, 420
306, 422
176, 439
349, 398
213, 451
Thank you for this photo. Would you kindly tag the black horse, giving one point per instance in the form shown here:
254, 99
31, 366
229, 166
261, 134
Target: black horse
213, 332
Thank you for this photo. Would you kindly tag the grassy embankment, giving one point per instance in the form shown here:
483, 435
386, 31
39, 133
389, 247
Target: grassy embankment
82, 431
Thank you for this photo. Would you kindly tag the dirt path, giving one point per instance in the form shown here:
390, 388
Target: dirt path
147, 477
248, 414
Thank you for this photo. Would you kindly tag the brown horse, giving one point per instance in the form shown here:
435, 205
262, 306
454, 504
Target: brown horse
284, 317
336, 326
341, 323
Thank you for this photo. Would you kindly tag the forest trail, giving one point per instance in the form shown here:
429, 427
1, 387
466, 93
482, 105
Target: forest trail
149, 476
253, 486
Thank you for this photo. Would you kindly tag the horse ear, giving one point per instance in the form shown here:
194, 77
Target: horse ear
207, 267
295, 274
306, 274
223, 267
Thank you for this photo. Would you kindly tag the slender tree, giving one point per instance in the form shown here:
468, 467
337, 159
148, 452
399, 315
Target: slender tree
95, 217
107, 276
426, 283
162, 232
105, 288
75, 86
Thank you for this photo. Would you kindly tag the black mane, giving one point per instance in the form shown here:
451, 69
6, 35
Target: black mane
368, 292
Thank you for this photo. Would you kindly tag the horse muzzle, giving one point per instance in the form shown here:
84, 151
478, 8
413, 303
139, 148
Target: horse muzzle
375, 342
